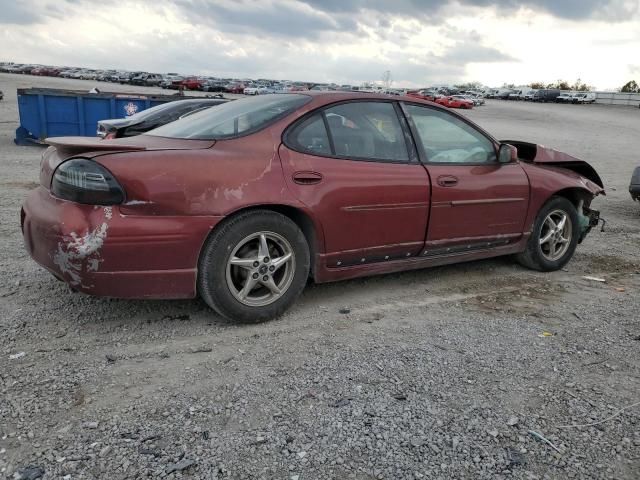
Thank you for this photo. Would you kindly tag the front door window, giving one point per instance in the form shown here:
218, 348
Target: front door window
447, 139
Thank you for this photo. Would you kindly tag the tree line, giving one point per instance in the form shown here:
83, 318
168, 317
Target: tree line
578, 86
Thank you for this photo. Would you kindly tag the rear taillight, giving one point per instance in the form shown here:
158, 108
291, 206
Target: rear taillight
84, 181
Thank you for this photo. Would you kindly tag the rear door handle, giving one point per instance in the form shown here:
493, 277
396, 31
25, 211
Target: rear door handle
307, 178
447, 181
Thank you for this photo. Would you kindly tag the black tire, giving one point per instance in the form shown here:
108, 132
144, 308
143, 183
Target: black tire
212, 265
533, 257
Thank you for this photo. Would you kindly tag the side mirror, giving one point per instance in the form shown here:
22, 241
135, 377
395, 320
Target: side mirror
507, 153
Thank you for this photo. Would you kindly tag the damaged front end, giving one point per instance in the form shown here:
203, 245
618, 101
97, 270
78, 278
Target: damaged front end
586, 183
541, 155
587, 219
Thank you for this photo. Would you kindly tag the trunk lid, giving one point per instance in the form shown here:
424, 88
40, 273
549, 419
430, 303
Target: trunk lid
63, 148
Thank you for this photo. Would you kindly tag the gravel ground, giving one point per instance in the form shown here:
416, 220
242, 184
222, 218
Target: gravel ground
434, 374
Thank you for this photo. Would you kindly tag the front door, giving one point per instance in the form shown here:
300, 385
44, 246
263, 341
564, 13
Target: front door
476, 201
350, 164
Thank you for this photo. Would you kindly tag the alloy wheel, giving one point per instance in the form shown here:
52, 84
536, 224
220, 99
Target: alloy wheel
260, 269
555, 235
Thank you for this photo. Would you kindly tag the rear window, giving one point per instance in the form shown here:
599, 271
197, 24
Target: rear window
233, 119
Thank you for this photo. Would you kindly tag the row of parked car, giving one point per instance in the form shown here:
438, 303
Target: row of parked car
467, 99
543, 95
446, 96
172, 81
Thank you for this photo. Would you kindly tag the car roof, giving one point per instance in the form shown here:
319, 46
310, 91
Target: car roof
338, 96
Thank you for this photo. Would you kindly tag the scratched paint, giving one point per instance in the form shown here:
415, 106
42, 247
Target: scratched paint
80, 252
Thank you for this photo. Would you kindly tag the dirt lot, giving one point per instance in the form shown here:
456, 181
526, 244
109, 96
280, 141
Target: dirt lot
435, 374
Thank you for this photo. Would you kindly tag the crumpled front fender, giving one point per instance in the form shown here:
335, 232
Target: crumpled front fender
545, 156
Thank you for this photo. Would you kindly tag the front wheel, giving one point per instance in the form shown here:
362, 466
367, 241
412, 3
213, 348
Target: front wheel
254, 266
554, 237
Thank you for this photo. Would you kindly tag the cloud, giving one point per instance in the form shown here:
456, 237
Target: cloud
347, 41
281, 18
18, 13
617, 10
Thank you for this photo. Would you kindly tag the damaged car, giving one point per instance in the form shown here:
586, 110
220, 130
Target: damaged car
244, 203
634, 186
153, 117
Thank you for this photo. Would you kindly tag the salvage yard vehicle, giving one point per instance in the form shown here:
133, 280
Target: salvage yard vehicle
477, 101
454, 102
234, 88
192, 83
634, 186
545, 95
153, 117
565, 97
213, 86
250, 91
422, 94
584, 97
147, 79
243, 203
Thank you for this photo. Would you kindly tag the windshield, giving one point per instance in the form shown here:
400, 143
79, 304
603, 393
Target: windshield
233, 119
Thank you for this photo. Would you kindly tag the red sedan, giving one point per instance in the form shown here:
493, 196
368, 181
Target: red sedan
192, 83
243, 203
453, 102
422, 94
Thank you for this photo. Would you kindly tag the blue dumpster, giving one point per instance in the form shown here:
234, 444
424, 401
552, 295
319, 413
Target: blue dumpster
49, 112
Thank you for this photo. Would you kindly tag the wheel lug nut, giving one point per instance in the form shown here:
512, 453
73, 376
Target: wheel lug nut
266, 259
265, 278
255, 275
272, 268
256, 263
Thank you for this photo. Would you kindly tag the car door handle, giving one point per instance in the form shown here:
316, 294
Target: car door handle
447, 181
307, 178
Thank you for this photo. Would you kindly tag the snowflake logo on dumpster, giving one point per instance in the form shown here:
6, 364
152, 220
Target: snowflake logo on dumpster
130, 108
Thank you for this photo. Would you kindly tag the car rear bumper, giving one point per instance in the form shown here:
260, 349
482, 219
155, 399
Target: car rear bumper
99, 251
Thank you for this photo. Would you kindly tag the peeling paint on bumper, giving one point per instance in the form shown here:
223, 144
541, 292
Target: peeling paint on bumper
99, 251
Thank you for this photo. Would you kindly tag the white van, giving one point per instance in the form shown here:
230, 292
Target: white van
584, 97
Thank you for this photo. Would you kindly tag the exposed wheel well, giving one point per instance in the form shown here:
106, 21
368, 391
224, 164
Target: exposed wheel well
301, 219
574, 195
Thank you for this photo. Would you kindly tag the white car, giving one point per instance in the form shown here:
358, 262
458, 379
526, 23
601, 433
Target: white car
476, 101
584, 97
529, 95
88, 75
250, 91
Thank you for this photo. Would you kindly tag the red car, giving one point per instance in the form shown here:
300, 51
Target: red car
243, 203
453, 102
422, 94
192, 83
234, 88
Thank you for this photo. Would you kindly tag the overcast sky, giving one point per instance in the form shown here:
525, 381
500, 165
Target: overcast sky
422, 42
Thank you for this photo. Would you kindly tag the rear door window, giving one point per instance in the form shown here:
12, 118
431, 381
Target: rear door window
310, 136
366, 130
354, 131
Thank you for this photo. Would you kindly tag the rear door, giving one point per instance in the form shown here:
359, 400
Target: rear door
476, 202
354, 166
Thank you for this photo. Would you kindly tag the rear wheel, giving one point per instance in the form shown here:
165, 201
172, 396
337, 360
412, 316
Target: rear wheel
254, 266
554, 237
